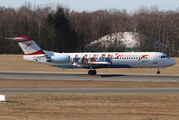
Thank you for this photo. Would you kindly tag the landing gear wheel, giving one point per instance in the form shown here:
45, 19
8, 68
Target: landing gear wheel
92, 72
158, 72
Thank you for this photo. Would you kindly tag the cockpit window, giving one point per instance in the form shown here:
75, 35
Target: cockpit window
164, 57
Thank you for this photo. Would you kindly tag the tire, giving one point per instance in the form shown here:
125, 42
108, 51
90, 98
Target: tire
90, 72
94, 72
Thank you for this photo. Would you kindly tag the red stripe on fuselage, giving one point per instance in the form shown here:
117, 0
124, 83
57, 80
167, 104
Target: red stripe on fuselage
36, 53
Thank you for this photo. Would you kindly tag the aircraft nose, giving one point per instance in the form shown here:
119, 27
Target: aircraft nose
173, 62
169, 62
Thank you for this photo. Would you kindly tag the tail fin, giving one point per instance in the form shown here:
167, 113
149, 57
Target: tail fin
28, 46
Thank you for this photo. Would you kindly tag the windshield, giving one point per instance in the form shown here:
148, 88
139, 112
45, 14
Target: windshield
164, 56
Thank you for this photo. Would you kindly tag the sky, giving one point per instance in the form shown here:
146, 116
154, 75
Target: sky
93, 5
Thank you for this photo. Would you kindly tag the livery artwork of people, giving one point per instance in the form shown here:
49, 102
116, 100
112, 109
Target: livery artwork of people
84, 59
93, 59
102, 58
108, 59
76, 59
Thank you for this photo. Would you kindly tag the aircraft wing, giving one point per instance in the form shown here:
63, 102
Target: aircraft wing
93, 63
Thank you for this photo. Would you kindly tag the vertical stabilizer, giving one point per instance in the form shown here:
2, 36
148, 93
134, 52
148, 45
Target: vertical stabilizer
28, 46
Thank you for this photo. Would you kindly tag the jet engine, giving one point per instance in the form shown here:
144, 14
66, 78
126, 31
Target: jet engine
59, 59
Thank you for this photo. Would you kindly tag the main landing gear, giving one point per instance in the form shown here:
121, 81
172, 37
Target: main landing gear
92, 72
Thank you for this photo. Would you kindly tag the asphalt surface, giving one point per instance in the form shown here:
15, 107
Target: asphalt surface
81, 76
91, 91
98, 77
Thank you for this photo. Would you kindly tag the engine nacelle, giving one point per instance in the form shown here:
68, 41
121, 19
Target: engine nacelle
59, 59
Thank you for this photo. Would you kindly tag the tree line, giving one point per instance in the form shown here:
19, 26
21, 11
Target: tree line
59, 29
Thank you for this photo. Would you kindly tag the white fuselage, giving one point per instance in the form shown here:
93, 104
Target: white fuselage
117, 59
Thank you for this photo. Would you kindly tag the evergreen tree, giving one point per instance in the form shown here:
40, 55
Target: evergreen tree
57, 34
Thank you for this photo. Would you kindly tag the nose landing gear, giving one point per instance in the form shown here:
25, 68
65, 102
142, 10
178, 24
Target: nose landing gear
158, 72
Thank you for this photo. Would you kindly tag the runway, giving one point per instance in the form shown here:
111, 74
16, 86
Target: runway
98, 77
82, 76
91, 91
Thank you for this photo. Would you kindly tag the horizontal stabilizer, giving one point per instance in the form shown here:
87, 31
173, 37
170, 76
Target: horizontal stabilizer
22, 38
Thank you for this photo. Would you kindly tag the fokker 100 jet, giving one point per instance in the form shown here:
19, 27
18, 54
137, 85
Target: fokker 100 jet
94, 60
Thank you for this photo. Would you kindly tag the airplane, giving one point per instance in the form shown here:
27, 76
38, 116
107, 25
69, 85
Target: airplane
93, 60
